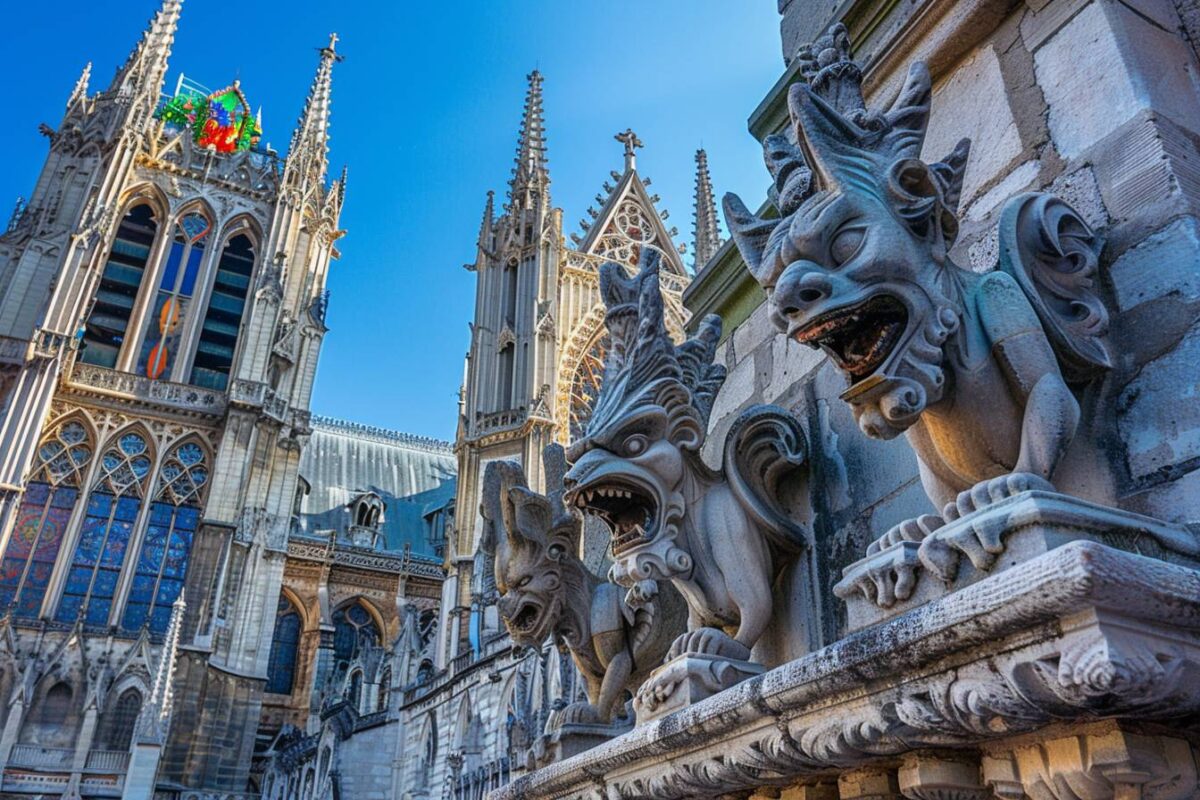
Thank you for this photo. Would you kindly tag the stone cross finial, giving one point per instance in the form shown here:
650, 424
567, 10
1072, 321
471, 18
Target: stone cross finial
631, 141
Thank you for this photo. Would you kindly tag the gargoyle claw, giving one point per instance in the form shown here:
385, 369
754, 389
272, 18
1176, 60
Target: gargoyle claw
993, 490
710, 642
911, 530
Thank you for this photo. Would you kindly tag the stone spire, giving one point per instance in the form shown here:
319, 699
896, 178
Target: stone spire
485, 224
81, 87
530, 171
706, 235
154, 720
309, 150
143, 73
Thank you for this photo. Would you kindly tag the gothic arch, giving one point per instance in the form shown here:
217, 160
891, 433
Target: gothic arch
198, 205
300, 606
150, 194
243, 222
151, 452
577, 344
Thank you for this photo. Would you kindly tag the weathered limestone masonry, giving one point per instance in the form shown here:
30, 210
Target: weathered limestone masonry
1004, 601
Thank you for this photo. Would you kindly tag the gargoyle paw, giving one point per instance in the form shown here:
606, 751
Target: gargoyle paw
993, 490
710, 642
582, 713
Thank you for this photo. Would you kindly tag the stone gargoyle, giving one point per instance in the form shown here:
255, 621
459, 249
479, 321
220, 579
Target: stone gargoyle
722, 537
545, 590
973, 368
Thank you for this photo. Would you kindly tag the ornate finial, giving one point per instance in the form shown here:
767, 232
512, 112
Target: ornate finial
631, 142
706, 236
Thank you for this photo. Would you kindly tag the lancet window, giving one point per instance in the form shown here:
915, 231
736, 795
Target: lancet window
43, 517
105, 330
285, 643
223, 319
167, 544
168, 313
111, 512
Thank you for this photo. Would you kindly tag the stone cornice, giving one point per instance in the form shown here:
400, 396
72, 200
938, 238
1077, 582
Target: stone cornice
1084, 631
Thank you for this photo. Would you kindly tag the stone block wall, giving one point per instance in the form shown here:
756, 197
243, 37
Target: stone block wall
1097, 102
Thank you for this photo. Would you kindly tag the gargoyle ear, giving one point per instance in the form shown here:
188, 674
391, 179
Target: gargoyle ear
684, 428
750, 233
824, 135
918, 198
527, 516
950, 171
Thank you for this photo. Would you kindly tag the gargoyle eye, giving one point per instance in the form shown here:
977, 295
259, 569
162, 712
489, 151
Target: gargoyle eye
521, 584
845, 244
636, 445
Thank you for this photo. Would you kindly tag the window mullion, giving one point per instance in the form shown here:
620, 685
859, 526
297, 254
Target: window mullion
197, 309
151, 275
133, 554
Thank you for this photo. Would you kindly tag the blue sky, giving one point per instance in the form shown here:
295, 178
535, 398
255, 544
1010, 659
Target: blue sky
425, 114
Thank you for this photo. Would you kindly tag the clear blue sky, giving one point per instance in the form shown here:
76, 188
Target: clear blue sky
425, 114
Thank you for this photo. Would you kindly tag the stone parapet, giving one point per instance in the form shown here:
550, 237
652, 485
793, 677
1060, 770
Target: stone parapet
1084, 632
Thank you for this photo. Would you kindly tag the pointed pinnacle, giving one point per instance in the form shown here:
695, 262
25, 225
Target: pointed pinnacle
310, 140
81, 86
706, 235
531, 140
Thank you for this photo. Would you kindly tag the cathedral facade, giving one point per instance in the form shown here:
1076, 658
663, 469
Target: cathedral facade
177, 606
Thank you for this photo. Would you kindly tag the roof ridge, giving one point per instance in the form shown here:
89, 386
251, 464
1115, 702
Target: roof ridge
390, 435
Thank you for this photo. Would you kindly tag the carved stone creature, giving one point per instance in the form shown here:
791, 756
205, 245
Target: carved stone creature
970, 366
547, 591
723, 538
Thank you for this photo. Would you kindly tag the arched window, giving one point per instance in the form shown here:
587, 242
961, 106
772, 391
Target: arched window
428, 751
121, 720
285, 643
44, 725
112, 508
162, 562
223, 320
511, 273
166, 321
353, 629
105, 331
385, 690
508, 355
354, 690
43, 517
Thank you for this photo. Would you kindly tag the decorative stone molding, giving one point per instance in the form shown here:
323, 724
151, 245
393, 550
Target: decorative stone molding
126, 386
1004, 656
305, 548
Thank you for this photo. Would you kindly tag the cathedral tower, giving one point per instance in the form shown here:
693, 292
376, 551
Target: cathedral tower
162, 302
538, 339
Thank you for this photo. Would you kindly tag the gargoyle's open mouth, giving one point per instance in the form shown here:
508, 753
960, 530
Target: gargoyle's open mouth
859, 338
628, 510
525, 621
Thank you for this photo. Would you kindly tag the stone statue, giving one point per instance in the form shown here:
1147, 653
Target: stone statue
547, 591
722, 537
973, 368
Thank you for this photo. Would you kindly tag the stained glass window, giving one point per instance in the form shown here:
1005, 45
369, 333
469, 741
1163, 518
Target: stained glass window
104, 331
353, 629
218, 334
585, 386
42, 518
354, 690
165, 323
281, 668
112, 509
221, 120
163, 559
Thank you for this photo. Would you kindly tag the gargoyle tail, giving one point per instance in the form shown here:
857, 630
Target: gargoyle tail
1052, 253
765, 447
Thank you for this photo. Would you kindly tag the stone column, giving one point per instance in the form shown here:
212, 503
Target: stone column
322, 666
12, 727
83, 745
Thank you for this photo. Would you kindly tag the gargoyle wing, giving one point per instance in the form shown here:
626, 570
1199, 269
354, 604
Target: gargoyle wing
1053, 254
766, 446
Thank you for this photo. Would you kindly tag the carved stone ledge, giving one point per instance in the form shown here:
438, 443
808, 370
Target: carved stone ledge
131, 389
1082, 632
993, 539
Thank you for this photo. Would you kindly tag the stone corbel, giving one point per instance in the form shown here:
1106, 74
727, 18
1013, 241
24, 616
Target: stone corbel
869, 784
928, 777
1109, 764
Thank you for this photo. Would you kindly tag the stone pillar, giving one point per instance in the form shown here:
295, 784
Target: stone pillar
12, 727
322, 666
142, 772
83, 745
